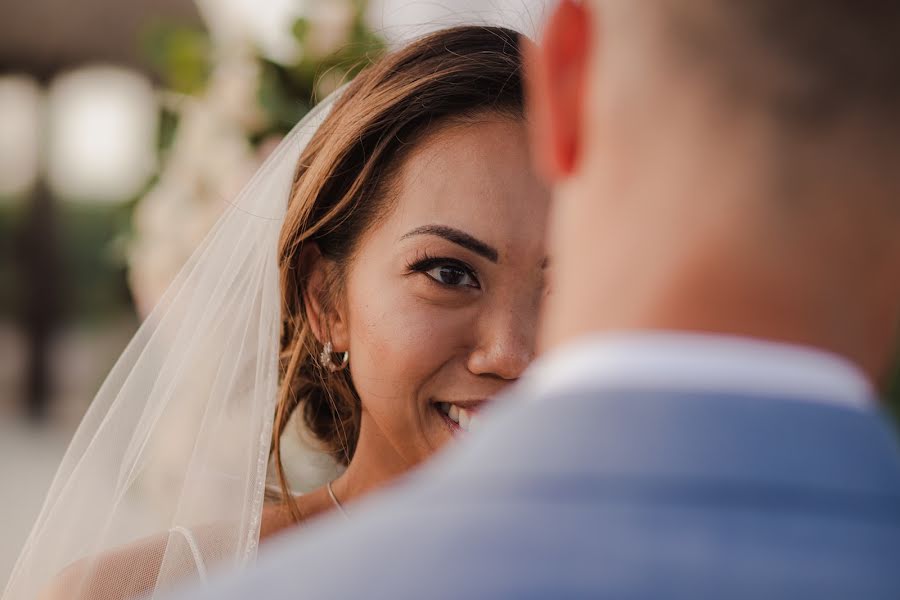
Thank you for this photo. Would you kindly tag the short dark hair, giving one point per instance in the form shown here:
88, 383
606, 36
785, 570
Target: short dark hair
811, 62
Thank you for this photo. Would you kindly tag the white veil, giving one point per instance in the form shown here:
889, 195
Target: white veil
204, 361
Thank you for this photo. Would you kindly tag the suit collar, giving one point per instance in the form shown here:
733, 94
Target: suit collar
729, 441
694, 362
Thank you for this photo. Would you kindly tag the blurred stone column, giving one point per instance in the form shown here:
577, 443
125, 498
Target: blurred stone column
41, 297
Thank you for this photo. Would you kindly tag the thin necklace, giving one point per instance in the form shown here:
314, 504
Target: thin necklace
336, 502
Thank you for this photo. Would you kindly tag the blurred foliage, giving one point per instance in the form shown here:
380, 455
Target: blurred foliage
893, 390
181, 55
168, 124
287, 92
93, 241
89, 240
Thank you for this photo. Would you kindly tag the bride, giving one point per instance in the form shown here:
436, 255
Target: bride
375, 284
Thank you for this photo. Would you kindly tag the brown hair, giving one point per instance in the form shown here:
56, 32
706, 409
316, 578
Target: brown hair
342, 185
809, 62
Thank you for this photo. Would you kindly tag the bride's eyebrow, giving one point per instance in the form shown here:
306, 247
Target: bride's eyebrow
460, 238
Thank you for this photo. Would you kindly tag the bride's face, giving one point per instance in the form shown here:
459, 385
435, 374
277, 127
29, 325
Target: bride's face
442, 296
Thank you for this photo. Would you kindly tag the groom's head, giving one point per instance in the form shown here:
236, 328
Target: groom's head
724, 165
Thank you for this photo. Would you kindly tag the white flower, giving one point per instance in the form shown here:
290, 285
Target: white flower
329, 26
208, 163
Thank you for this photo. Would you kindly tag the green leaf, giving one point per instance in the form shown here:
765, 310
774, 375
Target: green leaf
181, 55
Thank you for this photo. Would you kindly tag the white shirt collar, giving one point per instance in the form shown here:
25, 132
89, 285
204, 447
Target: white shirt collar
700, 362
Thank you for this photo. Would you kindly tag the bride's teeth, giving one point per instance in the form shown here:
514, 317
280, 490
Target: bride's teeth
464, 419
474, 423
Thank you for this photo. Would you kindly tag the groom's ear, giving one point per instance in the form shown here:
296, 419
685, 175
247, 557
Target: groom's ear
322, 313
556, 75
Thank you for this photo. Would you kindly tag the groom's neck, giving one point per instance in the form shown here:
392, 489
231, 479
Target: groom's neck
704, 231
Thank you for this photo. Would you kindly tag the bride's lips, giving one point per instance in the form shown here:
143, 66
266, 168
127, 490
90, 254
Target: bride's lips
460, 415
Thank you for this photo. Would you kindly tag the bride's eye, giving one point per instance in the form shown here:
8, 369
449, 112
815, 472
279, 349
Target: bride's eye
452, 275
447, 272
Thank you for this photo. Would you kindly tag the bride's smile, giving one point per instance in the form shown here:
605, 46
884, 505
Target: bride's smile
460, 416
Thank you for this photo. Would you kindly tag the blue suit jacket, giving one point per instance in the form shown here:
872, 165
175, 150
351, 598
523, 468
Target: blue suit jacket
605, 494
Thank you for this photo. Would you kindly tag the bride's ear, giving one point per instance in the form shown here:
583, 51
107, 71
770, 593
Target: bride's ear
322, 311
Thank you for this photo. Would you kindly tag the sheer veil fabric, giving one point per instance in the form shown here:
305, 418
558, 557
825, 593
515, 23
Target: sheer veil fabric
201, 369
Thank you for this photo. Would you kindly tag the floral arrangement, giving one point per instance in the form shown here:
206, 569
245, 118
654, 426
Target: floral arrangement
227, 102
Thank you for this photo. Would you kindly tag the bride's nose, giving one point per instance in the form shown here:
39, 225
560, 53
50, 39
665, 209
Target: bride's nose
505, 345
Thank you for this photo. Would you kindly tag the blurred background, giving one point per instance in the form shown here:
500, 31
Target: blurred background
125, 128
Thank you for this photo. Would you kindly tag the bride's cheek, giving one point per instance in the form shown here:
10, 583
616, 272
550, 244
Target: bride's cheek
390, 346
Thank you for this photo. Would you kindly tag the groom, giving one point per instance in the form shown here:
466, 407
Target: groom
725, 299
